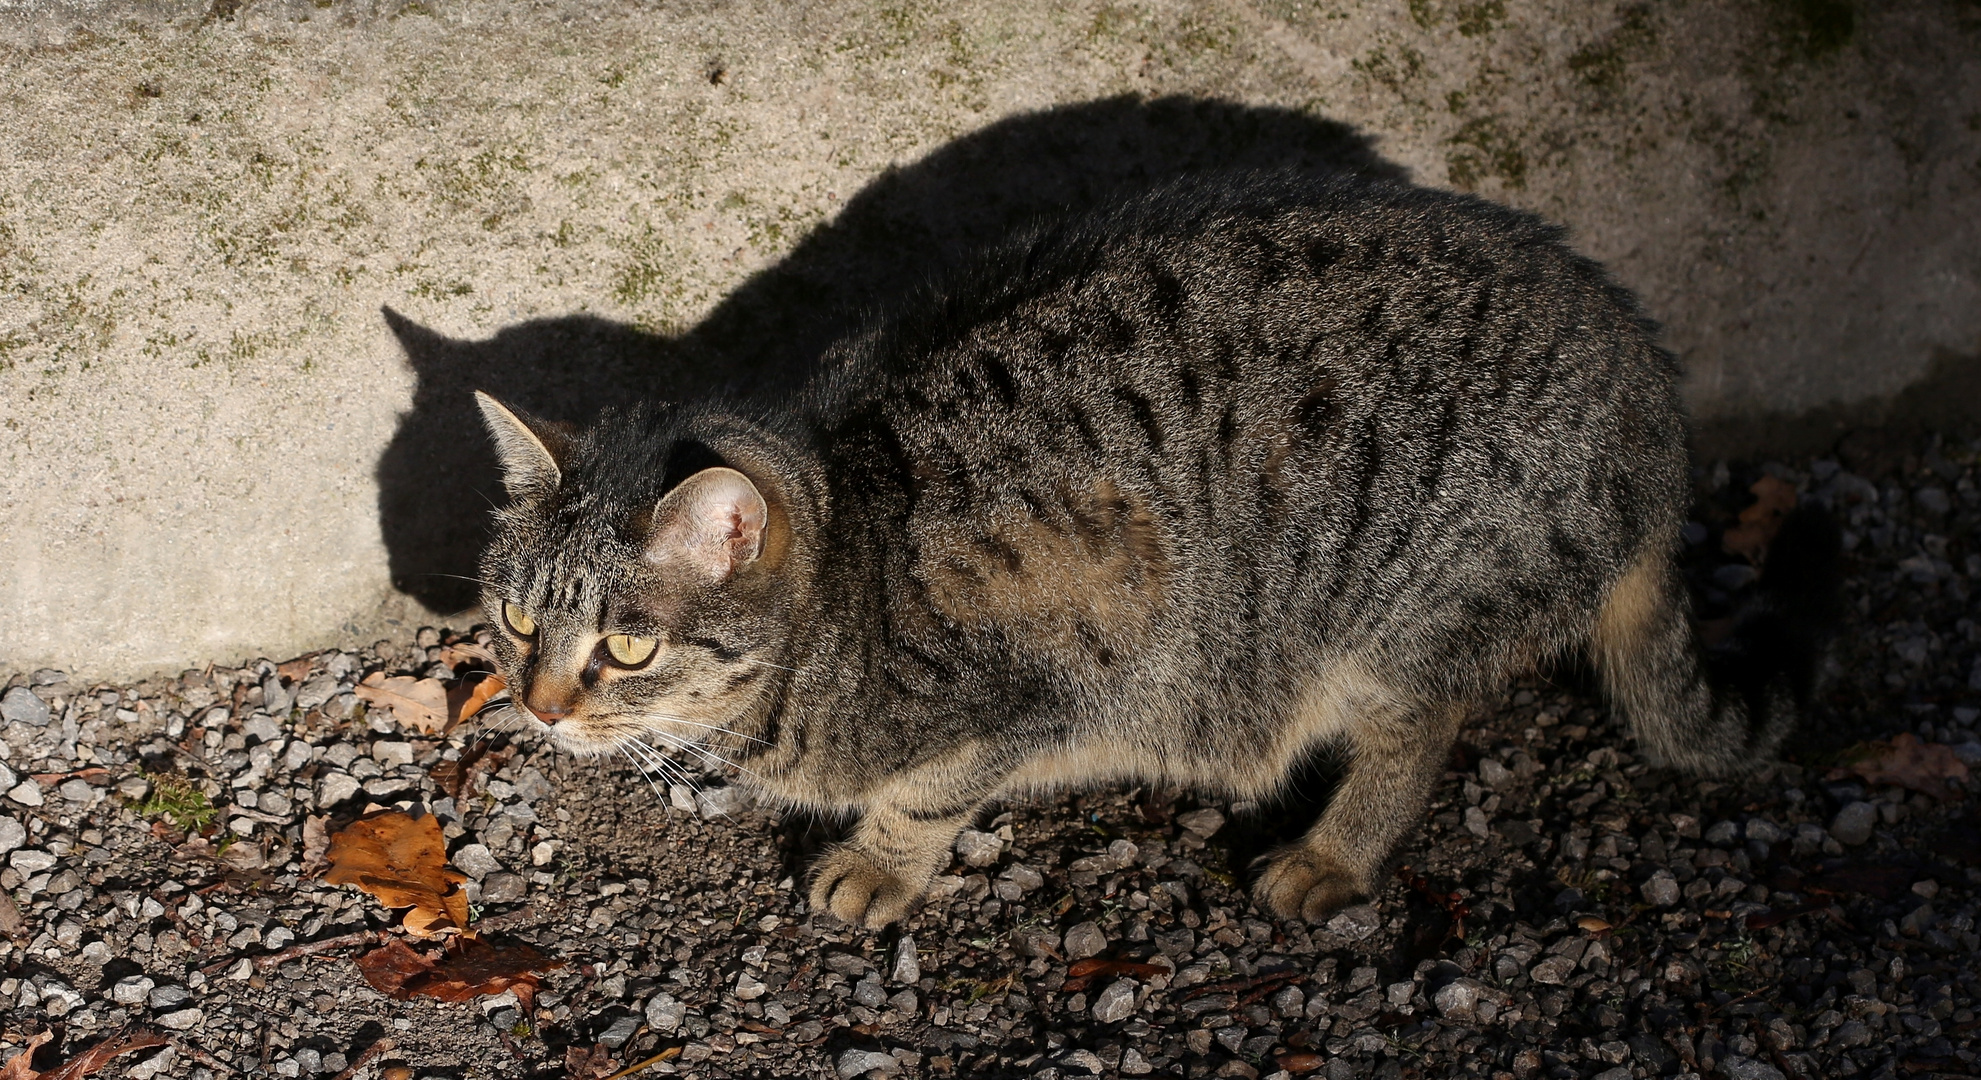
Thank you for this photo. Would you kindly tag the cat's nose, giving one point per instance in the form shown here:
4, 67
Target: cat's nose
547, 710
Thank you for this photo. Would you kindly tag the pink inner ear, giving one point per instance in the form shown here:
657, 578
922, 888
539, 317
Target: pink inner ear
715, 520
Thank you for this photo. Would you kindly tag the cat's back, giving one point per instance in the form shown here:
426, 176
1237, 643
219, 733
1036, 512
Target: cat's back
1254, 398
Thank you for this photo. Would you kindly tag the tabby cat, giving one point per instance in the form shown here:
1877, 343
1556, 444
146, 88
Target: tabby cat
1178, 491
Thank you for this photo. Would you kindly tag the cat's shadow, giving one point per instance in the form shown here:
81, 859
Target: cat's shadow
437, 478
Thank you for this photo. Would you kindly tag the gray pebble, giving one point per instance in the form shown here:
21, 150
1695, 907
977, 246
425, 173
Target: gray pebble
476, 861
1736, 1067
1084, 1060
1084, 940
1116, 1003
159, 1064
1661, 890
907, 966
1554, 971
1764, 830
1853, 823
335, 788
27, 793
503, 888
316, 691
854, 1063
21, 706
619, 1031
182, 1020
978, 848
31, 861
1202, 824
1022, 876
392, 753
868, 991
12, 834
665, 1014
1458, 999
78, 790
131, 990
1355, 923
721, 802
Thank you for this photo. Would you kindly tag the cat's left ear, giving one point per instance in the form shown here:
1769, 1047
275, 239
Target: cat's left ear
714, 521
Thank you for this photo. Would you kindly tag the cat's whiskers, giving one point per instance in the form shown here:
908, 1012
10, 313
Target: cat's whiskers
712, 727
648, 777
668, 766
768, 664
703, 752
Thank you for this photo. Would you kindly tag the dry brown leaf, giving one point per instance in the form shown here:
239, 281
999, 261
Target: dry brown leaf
583, 1064
17, 1067
86, 1064
463, 701
11, 923
295, 671
402, 860
466, 652
1773, 499
316, 843
1909, 763
420, 704
1083, 973
467, 969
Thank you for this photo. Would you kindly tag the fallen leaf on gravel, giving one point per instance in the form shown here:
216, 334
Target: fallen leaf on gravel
11, 923
1761, 920
1593, 924
583, 1064
452, 776
1870, 879
471, 701
316, 843
295, 671
420, 704
1083, 972
402, 860
1301, 1063
1907, 762
96, 1057
468, 968
465, 652
1773, 499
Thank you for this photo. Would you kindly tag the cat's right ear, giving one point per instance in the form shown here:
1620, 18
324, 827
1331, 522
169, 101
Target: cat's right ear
529, 467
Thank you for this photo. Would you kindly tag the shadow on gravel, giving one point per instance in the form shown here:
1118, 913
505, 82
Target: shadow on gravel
438, 478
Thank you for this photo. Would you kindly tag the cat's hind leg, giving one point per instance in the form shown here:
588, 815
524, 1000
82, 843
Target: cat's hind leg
1395, 757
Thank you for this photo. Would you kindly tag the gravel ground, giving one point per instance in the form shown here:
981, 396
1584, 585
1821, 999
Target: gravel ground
1567, 912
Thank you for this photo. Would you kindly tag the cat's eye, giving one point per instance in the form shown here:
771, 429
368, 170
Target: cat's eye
629, 651
519, 621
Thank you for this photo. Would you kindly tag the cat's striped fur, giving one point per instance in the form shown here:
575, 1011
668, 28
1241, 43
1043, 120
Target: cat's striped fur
1180, 491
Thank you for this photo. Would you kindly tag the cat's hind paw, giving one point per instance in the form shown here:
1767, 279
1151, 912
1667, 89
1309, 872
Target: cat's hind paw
1299, 884
852, 886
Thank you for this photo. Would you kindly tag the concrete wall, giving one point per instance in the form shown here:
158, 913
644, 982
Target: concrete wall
215, 440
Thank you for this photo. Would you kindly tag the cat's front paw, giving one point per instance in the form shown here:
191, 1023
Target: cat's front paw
851, 885
1300, 884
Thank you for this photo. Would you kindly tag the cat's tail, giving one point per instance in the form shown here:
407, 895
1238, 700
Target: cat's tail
1722, 707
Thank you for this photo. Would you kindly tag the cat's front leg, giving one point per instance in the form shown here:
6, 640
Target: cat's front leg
877, 875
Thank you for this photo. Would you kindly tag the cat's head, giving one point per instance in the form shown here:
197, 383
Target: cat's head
639, 581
